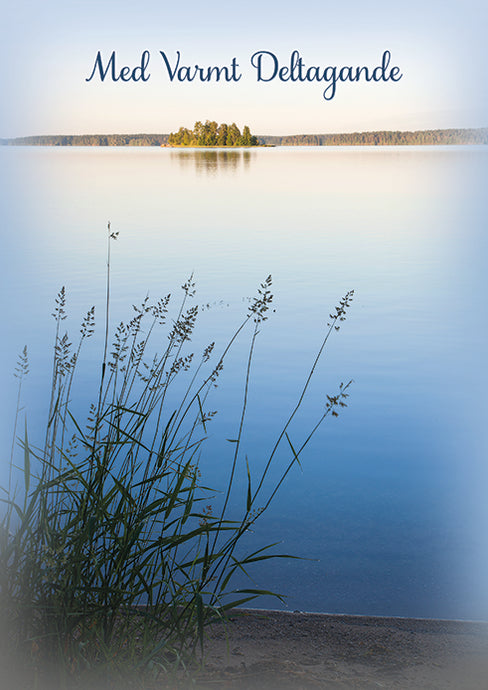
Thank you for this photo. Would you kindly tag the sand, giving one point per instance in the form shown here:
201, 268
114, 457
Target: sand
282, 650
270, 650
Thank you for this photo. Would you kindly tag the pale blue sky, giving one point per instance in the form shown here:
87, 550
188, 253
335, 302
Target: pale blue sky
48, 49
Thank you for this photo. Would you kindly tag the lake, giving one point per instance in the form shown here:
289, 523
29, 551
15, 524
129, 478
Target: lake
388, 509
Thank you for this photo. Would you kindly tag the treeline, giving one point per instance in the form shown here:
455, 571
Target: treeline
212, 134
383, 138
91, 140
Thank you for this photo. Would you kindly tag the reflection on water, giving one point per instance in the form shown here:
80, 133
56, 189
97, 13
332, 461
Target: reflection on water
390, 501
211, 161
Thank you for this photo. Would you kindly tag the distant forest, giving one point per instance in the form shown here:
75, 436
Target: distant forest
90, 140
382, 138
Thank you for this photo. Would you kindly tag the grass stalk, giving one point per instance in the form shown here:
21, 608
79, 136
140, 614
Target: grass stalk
111, 557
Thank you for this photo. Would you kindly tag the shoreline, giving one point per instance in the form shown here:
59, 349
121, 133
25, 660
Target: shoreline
452, 136
262, 649
368, 615
247, 148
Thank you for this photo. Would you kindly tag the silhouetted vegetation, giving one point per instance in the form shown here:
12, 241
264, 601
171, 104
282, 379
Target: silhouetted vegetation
114, 553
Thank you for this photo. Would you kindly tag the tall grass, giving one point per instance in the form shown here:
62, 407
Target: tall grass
110, 556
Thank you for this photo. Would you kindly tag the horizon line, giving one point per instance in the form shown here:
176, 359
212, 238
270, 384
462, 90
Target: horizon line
296, 134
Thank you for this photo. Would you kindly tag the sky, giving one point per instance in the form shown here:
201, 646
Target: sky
48, 50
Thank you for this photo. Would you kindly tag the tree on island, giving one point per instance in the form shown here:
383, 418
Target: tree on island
212, 134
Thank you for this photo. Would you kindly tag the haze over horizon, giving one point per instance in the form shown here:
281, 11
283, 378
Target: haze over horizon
48, 52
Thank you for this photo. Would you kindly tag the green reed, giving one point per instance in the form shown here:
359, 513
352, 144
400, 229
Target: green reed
110, 556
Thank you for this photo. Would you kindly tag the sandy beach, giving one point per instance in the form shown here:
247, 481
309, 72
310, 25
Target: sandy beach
276, 650
283, 650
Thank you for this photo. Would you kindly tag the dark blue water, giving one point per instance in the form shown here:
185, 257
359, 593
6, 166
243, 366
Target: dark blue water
389, 507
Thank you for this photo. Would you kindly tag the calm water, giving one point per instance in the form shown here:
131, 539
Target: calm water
390, 505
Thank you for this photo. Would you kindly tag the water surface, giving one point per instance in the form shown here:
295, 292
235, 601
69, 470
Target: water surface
390, 502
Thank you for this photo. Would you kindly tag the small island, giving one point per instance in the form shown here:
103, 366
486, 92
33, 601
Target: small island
212, 134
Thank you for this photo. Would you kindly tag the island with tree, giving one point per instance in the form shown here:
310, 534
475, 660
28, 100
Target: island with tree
212, 134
